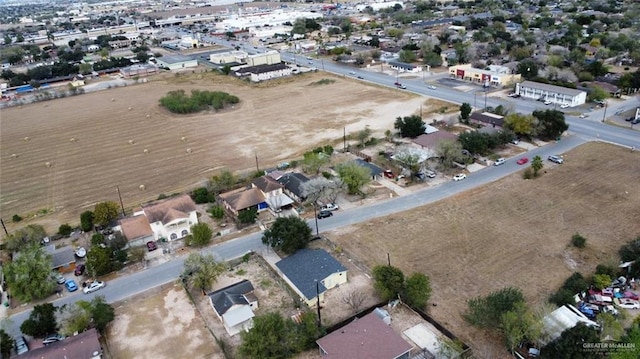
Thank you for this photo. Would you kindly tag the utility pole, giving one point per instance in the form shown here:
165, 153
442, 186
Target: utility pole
121, 204
485, 99
257, 167
315, 215
7, 233
604, 115
318, 303
388, 260
344, 138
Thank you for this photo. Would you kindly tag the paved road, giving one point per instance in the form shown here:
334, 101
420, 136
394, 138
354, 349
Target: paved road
582, 130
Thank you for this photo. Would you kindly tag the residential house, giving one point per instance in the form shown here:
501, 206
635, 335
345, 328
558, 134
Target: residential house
404, 67
367, 337
264, 193
311, 272
62, 259
264, 72
234, 306
612, 90
554, 94
432, 140
292, 183
168, 219
273, 193
376, 171
487, 118
82, 346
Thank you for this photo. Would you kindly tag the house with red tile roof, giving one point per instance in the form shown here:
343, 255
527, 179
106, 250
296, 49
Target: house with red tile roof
367, 337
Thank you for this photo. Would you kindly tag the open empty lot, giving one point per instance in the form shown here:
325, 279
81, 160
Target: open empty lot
61, 157
514, 232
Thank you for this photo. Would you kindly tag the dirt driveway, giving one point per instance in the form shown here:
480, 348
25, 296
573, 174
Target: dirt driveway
513, 232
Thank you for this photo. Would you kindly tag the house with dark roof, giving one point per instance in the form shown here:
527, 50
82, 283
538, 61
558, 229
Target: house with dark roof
487, 118
432, 140
264, 72
82, 346
367, 337
376, 171
234, 306
170, 219
311, 272
62, 259
404, 67
292, 183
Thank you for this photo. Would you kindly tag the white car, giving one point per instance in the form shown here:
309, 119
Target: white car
547, 102
432, 87
81, 252
330, 207
500, 161
93, 287
564, 106
459, 177
627, 303
584, 115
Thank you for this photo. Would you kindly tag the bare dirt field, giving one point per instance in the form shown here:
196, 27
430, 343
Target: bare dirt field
163, 324
61, 157
514, 232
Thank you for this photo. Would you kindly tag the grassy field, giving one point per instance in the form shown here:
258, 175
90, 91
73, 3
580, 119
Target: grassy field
59, 158
513, 232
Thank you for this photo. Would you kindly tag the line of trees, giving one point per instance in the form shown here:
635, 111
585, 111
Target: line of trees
179, 102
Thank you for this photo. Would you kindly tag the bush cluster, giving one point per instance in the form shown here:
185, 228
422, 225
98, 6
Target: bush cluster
179, 102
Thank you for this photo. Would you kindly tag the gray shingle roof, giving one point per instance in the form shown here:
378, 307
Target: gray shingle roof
60, 257
306, 266
550, 88
293, 182
375, 170
227, 297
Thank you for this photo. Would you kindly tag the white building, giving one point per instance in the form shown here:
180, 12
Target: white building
228, 57
554, 94
273, 18
176, 62
264, 72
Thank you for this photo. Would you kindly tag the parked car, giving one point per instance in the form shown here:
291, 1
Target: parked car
547, 102
92, 287
515, 141
324, 214
399, 85
352, 73
635, 121
522, 161
459, 177
52, 339
431, 87
564, 106
556, 159
628, 303
330, 207
59, 278
584, 115
21, 345
151, 246
500, 161
71, 285
79, 269
629, 119
389, 174
360, 77
81, 252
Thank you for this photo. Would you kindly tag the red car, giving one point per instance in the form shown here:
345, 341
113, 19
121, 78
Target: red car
151, 246
522, 161
79, 270
389, 174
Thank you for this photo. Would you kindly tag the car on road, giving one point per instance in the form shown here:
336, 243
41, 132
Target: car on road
399, 85
389, 174
513, 95
522, 161
431, 87
79, 269
360, 77
556, 159
499, 161
324, 214
52, 339
151, 246
93, 286
547, 102
310, 62
459, 177
71, 285
352, 73
330, 207
21, 345
564, 106
584, 115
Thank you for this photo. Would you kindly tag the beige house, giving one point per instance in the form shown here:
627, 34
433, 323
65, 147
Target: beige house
264, 193
500, 76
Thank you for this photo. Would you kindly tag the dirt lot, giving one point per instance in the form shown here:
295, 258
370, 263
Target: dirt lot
61, 157
514, 232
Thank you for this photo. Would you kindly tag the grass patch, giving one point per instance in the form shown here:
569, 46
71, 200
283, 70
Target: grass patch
265, 283
322, 82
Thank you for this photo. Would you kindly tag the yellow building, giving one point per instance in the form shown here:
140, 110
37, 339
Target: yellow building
499, 76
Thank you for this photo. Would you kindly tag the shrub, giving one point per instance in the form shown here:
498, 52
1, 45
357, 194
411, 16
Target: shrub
179, 102
611, 271
601, 281
64, 230
576, 283
578, 241
216, 212
16, 218
528, 173
161, 196
202, 195
248, 216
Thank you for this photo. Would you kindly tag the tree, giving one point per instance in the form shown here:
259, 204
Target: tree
80, 316
569, 344
319, 188
465, 111
417, 290
41, 321
363, 135
528, 69
410, 126
201, 195
137, 254
102, 313
313, 161
519, 324
25, 237
288, 234
248, 216
86, 221
475, 141
99, 261
64, 230
551, 124
6, 345
537, 165
201, 270
449, 152
353, 175
222, 182
268, 338
407, 56
29, 275
105, 212
601, 281
597, 93
388, 281
201, 234
486, 312
354, 299
523, 125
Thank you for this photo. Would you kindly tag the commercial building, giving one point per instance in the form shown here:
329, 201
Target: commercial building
495, 75
551, 93
176, 62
